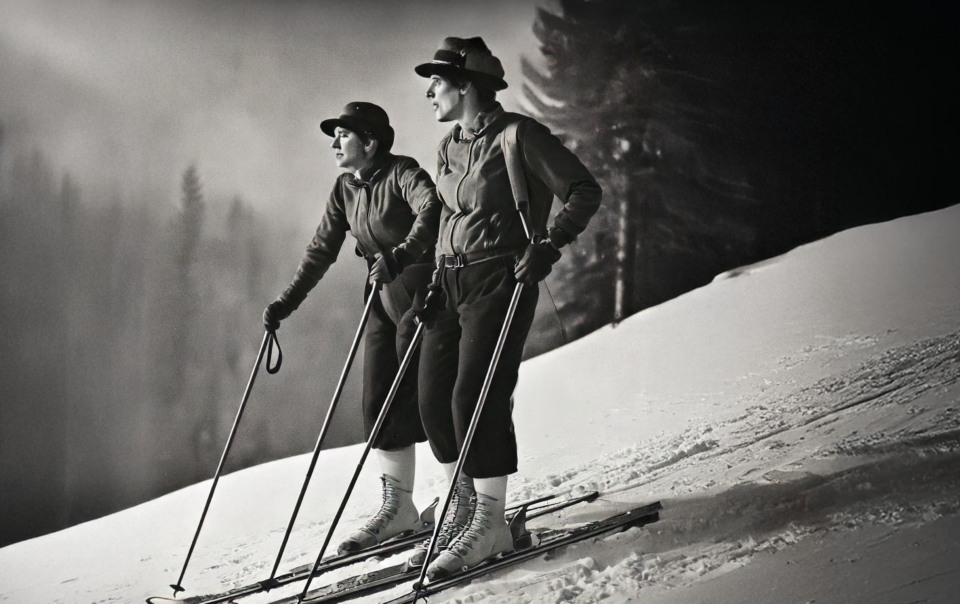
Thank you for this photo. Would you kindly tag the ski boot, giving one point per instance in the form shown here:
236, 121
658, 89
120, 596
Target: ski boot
486, 537
457, 519
398, 515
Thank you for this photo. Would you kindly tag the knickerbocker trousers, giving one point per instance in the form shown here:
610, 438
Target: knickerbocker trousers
455, 357
389, 331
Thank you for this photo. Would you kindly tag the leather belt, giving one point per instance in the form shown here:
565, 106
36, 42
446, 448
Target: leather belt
471, 258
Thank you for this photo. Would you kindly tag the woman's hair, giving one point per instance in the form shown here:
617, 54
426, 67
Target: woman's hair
383, 144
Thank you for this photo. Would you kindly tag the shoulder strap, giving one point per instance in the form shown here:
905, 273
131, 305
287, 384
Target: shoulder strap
510, 143
442, 156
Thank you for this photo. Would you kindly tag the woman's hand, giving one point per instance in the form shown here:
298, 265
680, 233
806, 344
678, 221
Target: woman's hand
537, 262
275, 312
388, 265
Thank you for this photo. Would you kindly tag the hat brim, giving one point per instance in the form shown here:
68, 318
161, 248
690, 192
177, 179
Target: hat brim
385, 136
425, 70
329, 127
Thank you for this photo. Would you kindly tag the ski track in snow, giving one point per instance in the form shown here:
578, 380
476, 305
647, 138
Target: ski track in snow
882, 390
896, 402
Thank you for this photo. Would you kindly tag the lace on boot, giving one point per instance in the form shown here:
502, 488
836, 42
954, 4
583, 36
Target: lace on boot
478, 527
388, 509
485, 538
458, 518
395, 516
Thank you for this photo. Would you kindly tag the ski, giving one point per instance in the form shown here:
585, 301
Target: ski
549, 542
533, 509
541, 543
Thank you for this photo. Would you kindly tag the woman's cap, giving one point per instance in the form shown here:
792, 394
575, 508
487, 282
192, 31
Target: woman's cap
361, 117
468, 59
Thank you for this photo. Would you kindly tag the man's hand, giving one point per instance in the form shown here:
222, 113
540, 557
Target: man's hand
537, 262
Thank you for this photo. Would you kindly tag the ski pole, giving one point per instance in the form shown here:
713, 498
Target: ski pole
269, 339
375, 431
468, 439
475, 420
323, 430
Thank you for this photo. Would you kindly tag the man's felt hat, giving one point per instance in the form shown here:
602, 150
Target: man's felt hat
467, 59
362, 117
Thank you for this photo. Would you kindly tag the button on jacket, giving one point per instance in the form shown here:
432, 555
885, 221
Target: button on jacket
479, 211
393, 204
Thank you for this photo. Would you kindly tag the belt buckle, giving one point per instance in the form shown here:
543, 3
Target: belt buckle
455, 261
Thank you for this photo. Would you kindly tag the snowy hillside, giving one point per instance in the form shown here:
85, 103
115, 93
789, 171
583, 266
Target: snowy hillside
799, 419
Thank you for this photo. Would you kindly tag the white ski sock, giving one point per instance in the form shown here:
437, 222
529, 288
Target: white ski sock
496, 490
450, 468
400, 464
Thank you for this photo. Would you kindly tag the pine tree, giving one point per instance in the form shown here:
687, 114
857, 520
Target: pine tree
174, 341
179, 304
2, 166
189, 222
614, 92
32, 364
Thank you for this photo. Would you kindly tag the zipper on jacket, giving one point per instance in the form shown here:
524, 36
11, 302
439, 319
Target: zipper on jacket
365, 224
466, 173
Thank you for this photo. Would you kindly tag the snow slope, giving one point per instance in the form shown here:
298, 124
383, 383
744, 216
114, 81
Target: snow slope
798, 418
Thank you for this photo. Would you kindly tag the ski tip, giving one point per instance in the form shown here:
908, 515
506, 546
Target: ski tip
591, 497
158, 599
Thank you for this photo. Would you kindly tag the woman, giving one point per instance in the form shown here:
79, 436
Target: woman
480, 241
390, 205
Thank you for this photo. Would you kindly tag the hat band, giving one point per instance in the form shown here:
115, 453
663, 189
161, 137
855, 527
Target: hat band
449, 57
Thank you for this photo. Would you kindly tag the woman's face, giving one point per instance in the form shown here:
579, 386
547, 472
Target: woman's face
445, 99
349, 151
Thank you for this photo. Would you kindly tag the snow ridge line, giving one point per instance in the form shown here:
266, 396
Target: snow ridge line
896, 376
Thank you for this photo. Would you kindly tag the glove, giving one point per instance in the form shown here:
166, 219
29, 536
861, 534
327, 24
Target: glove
427, 302
389, 264
537, 262
559, 237
274, 313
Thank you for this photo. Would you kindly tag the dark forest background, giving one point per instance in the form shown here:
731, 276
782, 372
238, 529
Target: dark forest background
722, 133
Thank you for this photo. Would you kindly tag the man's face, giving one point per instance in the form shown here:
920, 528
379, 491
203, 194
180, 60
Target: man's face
445, 98
349, 151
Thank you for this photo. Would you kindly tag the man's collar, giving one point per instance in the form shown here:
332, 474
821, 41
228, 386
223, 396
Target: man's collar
486, 117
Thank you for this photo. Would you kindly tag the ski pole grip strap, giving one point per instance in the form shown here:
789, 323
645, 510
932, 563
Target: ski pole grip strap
272, 339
